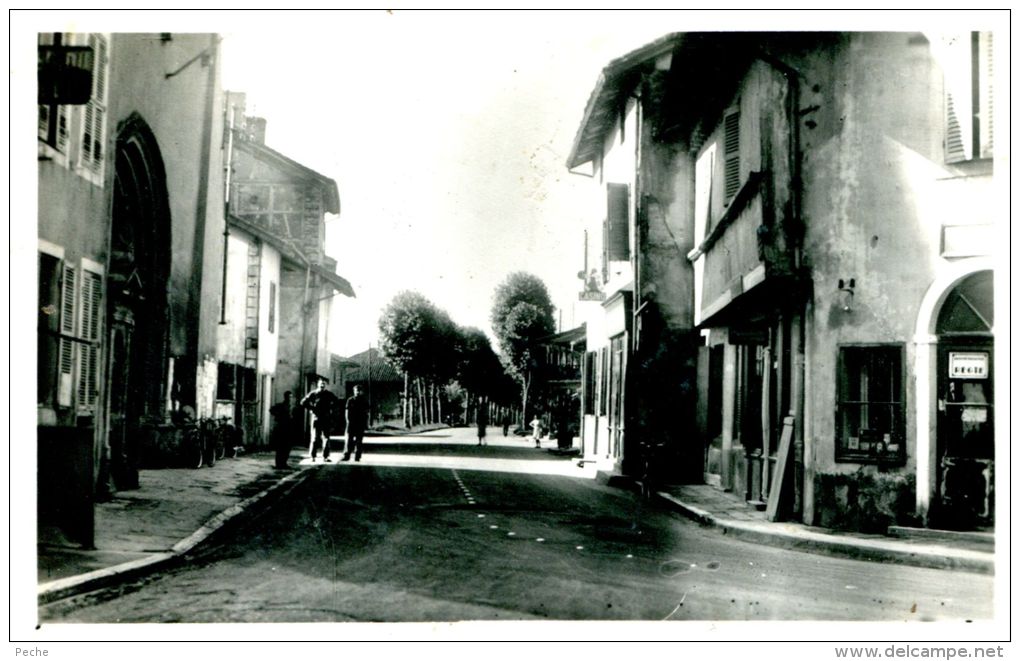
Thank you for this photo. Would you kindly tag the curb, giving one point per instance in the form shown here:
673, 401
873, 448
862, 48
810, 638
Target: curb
933, 557
101, 578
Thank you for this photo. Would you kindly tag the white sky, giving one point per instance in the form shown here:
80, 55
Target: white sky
447, 134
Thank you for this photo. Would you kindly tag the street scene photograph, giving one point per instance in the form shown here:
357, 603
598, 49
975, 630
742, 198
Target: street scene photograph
512, 325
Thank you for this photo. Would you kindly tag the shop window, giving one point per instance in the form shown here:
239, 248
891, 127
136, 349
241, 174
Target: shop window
870, 417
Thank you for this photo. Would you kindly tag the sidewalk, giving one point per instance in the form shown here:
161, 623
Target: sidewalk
150, 528
941, 549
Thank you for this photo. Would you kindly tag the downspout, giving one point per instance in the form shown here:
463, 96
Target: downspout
198, 249
227, 166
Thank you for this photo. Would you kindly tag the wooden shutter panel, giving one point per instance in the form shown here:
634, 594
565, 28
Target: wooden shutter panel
986, 93
94, 120
731, 155
957, 91
67, 309
618, 219
91, 295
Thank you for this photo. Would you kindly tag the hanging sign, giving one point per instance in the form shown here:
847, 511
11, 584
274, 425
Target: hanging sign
968, 365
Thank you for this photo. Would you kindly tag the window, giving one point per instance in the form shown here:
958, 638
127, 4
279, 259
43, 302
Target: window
968, 91
53, 119
93, 133
272, 307
617, 222
869, 416
48, 327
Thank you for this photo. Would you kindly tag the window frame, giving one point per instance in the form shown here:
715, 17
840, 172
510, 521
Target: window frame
896, 436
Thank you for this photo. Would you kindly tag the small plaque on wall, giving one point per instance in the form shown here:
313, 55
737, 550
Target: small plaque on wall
968, 365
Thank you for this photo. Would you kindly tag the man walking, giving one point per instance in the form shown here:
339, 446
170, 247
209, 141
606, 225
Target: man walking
321, 403
357, 421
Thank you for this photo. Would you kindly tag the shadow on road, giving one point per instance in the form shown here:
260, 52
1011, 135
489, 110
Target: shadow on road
378, 446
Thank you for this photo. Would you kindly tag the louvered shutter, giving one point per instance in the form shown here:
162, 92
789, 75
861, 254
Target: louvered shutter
618, 218
731, 155
94, 121
985, 92
958, 104
67, 309
91, 295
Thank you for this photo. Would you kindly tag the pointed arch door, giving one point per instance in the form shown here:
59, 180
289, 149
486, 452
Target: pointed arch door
966, 406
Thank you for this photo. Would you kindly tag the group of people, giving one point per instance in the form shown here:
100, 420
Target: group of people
330, 418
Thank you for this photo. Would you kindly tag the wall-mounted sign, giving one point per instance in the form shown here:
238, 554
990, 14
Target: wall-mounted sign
589, 295
968, 365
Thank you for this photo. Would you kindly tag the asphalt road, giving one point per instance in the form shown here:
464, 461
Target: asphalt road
439, 530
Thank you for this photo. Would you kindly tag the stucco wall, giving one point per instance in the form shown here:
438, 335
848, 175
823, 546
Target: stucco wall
870, 164
190, 141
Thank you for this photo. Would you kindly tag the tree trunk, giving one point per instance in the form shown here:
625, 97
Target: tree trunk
524, 399
421, 402
407, 404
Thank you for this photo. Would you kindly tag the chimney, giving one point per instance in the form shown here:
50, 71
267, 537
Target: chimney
257, 130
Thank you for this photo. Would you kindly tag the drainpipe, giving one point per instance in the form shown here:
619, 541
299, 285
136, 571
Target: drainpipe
227, 165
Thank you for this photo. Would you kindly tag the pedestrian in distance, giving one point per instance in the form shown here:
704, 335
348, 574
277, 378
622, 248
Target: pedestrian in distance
536, 431
283, 428
357, 422
506, 424
482, 420
321, 403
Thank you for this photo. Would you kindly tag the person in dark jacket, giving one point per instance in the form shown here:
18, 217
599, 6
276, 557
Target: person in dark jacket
482, 419
357, 421
283, 428
321, 403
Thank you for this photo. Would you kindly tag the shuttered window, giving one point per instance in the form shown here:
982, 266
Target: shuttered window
618, 231
94, 115
731, 155
968, 68
88, 368
48, 117
68, 299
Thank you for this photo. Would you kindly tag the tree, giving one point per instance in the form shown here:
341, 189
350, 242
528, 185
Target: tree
522, 314
408, 327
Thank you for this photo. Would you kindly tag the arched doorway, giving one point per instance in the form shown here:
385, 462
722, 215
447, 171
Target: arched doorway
965, 419
139, 273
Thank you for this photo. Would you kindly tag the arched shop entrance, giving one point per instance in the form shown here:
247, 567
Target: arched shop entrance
965, 418
139, 319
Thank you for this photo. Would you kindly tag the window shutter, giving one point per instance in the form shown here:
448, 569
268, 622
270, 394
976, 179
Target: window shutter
985, 92
618, 218
957, 91
67, 308
94, 120
731, 154
91, 296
